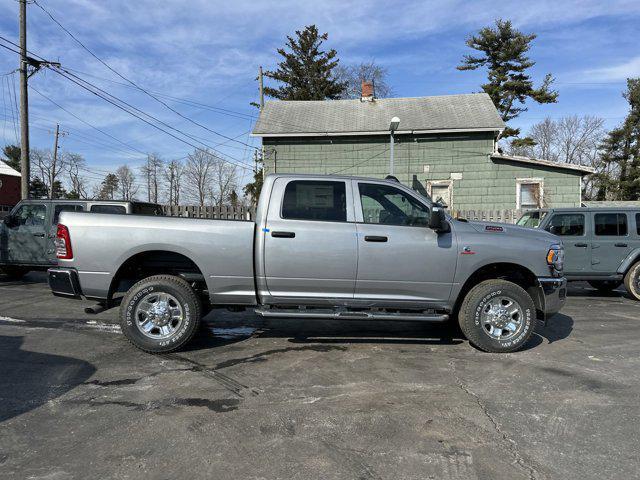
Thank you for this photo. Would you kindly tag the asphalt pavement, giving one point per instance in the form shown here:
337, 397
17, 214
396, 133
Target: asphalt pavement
296, 399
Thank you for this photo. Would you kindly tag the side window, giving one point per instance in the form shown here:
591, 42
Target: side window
31, 215
315, 200
118, 209
387, 205
567, 224
610, 224
65, 208
638, 223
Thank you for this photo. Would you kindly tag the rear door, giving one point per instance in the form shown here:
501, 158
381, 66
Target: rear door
611, 241
400, 259
26, 239
575, 230
310, 248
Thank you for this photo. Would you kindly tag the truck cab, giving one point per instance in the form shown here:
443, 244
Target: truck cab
27, 233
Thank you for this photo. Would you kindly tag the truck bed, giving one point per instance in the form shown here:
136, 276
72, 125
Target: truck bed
222, 250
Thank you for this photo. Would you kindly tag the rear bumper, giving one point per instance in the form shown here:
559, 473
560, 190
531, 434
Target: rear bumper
64, 282
554, 294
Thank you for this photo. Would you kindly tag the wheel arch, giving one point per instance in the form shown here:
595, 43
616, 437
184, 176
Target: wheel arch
629, 261
513, 272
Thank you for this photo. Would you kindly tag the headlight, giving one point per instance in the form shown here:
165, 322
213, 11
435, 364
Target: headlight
555, 259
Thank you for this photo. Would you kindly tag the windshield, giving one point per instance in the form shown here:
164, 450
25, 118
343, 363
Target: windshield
531, 219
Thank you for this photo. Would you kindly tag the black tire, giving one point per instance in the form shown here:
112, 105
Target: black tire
182, 295
14, 273
605, 286
477, 301
632, 281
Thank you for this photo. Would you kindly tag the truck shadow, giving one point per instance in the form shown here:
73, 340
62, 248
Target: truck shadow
557, 328
30, 278
31, 379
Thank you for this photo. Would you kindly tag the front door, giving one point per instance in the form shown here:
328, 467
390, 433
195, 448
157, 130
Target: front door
310, 247
26, 238
611, 241
399, 258
575, 231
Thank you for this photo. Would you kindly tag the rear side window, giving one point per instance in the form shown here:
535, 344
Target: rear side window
146, 209
30, 215
567, 224
118, 209
65, 208
315, 200
610, 224
638, 223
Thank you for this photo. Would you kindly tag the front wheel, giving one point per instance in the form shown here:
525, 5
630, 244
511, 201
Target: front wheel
160, 314
632, 281
497, 316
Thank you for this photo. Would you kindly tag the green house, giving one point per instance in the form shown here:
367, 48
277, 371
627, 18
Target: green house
444, 145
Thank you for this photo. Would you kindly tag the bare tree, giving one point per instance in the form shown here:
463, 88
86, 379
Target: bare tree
199, 174
578, 138
75, 163
545, 136
173, 176
151, 171
225, 181
354, 75
48, 168
126, 182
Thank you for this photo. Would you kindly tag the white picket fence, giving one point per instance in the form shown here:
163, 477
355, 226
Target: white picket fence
247, 213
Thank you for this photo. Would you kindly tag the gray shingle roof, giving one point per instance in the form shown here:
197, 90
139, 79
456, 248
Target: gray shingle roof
448, 112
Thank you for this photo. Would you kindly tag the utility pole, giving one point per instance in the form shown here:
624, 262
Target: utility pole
24, 104
261, 86
52, 172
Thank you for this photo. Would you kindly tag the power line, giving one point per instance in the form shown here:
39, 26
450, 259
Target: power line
135, 84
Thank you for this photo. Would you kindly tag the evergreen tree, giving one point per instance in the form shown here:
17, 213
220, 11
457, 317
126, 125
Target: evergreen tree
37, 188
108, 187
621, 149
306, 70
509, 84
253, 189
12, 155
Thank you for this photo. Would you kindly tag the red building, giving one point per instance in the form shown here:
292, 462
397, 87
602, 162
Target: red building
9, 187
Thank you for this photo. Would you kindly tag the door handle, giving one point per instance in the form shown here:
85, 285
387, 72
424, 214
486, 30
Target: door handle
621, 245
375, 238
580, 245
40, 235
283, 234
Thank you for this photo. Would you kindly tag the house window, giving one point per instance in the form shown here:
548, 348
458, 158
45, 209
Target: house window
441, 190
529, 193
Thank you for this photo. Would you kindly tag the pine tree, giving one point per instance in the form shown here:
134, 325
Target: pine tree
12, 155
509, 84
37, 188
253, 189
306, 70
621, 149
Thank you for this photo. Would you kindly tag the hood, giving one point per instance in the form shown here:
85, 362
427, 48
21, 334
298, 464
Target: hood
497, 228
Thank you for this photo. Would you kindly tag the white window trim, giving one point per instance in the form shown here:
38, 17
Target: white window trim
529, 181
448, 183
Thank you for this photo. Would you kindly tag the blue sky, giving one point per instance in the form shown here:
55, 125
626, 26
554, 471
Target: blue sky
209, 51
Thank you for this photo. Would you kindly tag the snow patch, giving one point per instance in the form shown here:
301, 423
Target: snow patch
230, 333
12, 320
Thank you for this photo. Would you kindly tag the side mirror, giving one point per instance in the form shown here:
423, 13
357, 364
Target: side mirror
553, 230
438, 220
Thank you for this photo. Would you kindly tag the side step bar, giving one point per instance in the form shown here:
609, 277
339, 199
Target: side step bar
329, 314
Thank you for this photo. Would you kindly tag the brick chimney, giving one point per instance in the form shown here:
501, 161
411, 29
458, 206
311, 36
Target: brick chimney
367, 91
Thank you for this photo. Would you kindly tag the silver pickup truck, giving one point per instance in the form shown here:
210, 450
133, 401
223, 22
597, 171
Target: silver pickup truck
326, 247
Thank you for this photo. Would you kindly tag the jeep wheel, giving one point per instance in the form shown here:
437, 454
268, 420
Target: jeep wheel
160, 314
605, 286
632, 281
497, 316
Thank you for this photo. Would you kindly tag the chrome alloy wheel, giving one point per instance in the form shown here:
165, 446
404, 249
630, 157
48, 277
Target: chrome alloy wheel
502, 318
159, 315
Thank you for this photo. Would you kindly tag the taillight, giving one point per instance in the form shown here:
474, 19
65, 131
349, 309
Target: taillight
63, 243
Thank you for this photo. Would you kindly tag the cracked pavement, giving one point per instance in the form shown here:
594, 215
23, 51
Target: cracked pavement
297, 399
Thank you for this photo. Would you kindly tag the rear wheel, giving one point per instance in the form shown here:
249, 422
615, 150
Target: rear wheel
605, 286
14, 273
497, 316
632, 281
160, 314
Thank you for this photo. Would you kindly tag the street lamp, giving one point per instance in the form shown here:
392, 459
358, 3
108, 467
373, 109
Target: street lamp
393, 126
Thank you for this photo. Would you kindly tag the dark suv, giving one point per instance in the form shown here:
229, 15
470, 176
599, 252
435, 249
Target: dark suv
27, 233
602, 245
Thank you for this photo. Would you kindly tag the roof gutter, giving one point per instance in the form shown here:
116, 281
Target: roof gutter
378, 132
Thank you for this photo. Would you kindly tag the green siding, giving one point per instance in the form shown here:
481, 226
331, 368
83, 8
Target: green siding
485, 185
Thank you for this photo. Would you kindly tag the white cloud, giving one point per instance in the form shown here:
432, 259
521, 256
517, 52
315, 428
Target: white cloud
620, 71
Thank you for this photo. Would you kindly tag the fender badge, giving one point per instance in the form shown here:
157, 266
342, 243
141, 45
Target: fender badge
467, 251
494, 228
